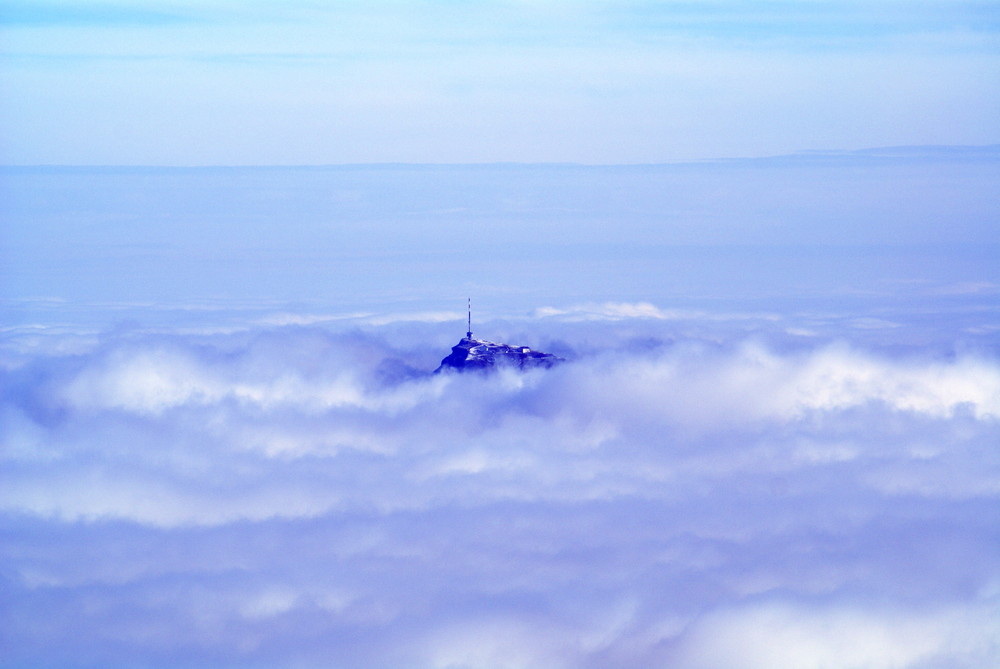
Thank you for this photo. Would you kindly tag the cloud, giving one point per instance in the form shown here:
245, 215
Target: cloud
298, 496
970, 288
298, 393
778, 635
607, 310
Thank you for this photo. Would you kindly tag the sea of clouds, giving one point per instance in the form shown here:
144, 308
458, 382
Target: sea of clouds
775, 443
692, 489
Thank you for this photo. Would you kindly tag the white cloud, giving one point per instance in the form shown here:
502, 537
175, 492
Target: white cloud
616, 311
781, 635
299, 395
298, 497
609, 311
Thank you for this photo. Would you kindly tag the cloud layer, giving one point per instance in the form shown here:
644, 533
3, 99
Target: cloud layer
300, 496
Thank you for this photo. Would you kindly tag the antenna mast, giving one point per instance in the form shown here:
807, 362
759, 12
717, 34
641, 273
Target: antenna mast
468, 334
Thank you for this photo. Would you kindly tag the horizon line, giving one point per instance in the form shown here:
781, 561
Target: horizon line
911, 151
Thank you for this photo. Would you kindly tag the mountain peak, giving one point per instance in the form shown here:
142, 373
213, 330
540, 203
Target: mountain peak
472, 353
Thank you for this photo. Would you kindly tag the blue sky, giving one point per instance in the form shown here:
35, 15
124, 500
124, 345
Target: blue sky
191, 83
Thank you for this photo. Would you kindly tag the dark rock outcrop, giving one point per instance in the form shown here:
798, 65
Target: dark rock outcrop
473, 353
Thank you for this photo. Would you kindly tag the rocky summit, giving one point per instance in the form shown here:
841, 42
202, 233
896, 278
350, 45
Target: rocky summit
471, 353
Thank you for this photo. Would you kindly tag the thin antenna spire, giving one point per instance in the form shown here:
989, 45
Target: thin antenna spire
469, 333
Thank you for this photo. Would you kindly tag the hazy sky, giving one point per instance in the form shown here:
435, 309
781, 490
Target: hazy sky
191, 82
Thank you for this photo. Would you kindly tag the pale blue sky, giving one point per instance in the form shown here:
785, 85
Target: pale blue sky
222, 82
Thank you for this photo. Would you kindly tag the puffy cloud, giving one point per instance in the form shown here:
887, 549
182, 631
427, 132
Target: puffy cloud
775, 635
300, 496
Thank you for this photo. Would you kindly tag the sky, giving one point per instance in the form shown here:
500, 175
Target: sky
220, 82
236, 239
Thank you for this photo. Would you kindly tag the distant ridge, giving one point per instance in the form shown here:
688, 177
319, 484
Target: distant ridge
916, 151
